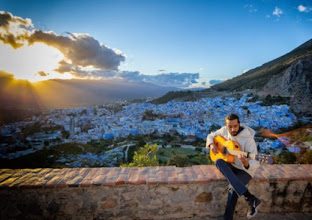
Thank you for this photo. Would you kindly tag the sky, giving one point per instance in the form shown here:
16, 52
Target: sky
180, 43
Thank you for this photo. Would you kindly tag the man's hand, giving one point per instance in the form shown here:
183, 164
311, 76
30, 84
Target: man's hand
244, 160
214, 148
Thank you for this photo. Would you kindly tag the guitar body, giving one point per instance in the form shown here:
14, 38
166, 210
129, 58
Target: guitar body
227, 150
222, 144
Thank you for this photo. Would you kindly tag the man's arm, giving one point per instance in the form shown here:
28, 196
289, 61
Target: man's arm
244, 160
209, 139
250, 147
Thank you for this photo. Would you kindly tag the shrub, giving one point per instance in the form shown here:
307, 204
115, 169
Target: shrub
144, 157
307, 158
179, 161
285, 157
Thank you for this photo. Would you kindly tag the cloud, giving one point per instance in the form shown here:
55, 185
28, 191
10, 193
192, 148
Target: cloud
13, 30
302, 8
80, 50
180, 80
251, 8
277, 12
245, 71
6, 74
84, 56
215, 81
42, 73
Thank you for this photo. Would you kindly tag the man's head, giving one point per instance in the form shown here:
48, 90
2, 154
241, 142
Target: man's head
232, 124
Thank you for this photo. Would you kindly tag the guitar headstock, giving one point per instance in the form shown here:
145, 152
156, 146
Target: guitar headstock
265, 158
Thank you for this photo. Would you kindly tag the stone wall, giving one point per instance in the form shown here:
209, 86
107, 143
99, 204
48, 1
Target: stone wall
146, 193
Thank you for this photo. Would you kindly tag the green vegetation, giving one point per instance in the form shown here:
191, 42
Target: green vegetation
48, 157
307, 158
214, 127
271, 100
179, 161
14, 114
165, 155
83, 112
65, 134
144, 157
32, 129
285, 157
201, 160
149, 115
72, 115
37, 128
171, 96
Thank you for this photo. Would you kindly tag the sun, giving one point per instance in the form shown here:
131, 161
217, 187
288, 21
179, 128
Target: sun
33, 63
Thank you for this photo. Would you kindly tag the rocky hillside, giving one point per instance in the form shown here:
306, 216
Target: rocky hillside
294, 82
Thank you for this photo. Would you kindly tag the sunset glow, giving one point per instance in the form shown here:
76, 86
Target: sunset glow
33, 63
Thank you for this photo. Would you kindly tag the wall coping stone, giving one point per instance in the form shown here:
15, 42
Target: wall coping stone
47, 178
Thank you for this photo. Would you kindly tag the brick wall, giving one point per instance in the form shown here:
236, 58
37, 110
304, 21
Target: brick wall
146, 193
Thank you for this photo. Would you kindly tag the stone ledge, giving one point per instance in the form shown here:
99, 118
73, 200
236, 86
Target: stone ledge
92, 177
198, 192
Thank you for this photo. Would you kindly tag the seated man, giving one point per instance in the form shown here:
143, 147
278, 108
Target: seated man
238, 173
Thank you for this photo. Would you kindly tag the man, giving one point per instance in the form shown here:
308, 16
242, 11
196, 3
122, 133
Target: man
240, 172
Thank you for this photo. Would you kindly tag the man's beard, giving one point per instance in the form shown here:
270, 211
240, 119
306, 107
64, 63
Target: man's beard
234, 133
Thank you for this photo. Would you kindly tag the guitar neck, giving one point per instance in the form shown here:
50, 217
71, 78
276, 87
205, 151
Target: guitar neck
237, 153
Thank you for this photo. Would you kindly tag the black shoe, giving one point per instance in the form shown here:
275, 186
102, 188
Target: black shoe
254, 204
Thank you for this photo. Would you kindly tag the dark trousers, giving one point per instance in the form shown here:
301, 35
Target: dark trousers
238, 180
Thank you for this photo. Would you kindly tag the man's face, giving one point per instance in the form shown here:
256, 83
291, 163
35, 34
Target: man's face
232, 126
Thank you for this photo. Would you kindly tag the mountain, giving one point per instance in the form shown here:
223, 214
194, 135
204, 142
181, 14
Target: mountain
258, 77
74, 93
289, 76
21, 98
17, 97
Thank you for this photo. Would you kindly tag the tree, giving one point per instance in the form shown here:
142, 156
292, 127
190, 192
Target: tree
307, 158
65, 134
46, 143
285, 157
179, 161
83, 112
144, 157
205, 159
141, 142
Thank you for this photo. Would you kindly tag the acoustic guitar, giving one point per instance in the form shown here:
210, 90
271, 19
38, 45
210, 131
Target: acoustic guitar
229, 149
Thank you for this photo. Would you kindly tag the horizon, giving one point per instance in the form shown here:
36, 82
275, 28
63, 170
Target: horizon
179, 44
